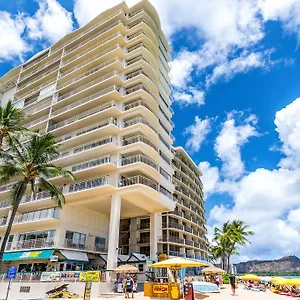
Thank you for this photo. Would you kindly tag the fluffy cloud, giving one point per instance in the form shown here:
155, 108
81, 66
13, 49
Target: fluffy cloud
210, 177
190, 96
287, 123
11, 29
230, 140
267, 200
196, 133
50, 22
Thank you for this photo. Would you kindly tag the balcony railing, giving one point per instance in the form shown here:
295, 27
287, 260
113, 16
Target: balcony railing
173, 225
88, 73
138, 138
137, 73
139, 158
188, 229
37, 121
37, 88
92, 163
100, 248
93, 36
138, 179
93, 58
84, 147
138, 120
83, 115
87, 85
189, 242
172, 239
89, 184
86, 100
69, 243
6, 187
91, 48
142, 226
137, 103
138, 87
30, 244
145, 240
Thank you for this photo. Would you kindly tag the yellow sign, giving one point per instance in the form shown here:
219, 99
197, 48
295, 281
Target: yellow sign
175, 292
160, 288
90, 276
32, 254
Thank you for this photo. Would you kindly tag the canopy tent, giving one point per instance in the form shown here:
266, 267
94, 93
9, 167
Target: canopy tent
178, 263
213, 270
294, 281
75, 256
126, 269
282, 282
250, 277
274, 279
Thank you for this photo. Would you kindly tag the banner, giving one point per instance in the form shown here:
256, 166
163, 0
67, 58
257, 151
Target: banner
57, 276
50, 276
92, 276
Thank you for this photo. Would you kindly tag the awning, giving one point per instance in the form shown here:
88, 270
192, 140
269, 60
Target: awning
74, 255
28, 255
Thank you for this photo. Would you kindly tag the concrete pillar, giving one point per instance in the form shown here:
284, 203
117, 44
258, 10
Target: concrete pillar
114, 227
153, 235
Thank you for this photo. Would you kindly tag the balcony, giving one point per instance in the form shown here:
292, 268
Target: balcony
100, 248
139, 158
144, 240
37, 121
92, 163
138, 103
30, 244
173, 225
138, 120
87, 85
143, 226
189, 242
138, 138
86, 100
172, 239
89, 184
136, 88
188, 229
70, 243
138, 179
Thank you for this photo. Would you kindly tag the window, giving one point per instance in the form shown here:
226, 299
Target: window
76, 239
47, 234
100, 240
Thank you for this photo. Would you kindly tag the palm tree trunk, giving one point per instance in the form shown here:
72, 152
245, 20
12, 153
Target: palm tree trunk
11, 220
228, 263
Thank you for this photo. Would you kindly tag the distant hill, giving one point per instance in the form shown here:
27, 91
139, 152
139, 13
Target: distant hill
284, 264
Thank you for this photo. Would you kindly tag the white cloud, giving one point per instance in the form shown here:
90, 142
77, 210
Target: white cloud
210, 177
287, 11
50, 22
190, 96
268, 199
241, 64
11, 29
197, 133
230, 140
287, 123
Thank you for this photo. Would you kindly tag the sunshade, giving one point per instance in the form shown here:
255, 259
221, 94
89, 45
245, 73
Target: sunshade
250, 277
213, 270
74, 255
282, 281
178, 263
274, 279
294, 281
126, 269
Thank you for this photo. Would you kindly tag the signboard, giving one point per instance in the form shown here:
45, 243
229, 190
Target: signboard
50, 276
11, 272
54, 258
93, 276
87, 291
57, 276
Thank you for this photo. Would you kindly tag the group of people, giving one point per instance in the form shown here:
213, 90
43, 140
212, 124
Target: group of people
255, 285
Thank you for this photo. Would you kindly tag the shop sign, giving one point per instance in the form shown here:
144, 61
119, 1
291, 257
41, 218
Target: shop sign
50, 276
93, 276
54, 258
11, 272
160, 288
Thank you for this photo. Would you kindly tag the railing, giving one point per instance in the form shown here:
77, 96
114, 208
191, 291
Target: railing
69, 243
33, 100
89, 60
6, 186
137, 73
145, 240
90, 49
38, 78
165, 192
136, 59
132, 36
100, 248
5, 204
87, 85
138, 138
81, 116
88, 73
34, 62
165, 157
137, 88
137, 103
92, 163
89, 184
139, 158
40, 69
142, 226
30, 244
188, 229
86, 100
189, 243
93, 36
3, 221
172, 239
138, 120
164, 142
84, 147
138, 179
37, 88
34, 122
173, 225
46, 104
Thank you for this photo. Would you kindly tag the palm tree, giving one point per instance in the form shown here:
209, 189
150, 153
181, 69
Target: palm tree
239, 232
10, 123
30, 163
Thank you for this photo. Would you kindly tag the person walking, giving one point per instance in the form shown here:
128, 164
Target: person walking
232, 282
128, 286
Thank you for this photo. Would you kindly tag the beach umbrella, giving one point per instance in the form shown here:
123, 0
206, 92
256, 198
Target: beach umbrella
294, 281
213, 270
274, 279
282, 281
126, 269
250, 277
178, 263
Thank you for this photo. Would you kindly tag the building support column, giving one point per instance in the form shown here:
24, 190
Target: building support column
114, 228
153, 235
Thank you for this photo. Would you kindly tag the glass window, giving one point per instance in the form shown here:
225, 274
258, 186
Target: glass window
100, 240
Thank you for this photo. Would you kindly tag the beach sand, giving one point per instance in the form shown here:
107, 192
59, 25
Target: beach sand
225, 294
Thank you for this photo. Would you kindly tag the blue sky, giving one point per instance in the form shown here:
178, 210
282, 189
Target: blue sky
235, 74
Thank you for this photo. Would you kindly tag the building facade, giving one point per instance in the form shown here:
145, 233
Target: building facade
104, 92
181, 231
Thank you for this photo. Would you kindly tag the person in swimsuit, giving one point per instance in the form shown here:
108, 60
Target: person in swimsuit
232, 282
